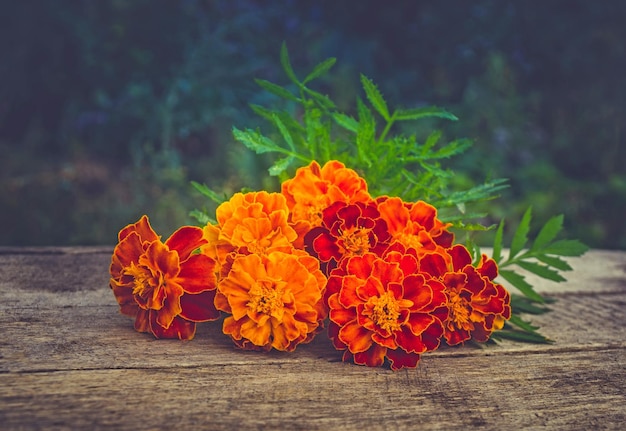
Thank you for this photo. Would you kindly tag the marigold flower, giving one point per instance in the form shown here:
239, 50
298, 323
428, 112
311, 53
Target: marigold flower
164, 286
273, 300
476, 305
383, 308
249, 223
314, 188
415, 224
347, 230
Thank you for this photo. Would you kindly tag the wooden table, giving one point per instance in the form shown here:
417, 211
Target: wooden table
69, 360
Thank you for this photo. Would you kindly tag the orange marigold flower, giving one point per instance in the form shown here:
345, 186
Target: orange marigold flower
273, 300
383, 308
314, 188
476, 305
164, 286
347, 230
249, 223
415, 224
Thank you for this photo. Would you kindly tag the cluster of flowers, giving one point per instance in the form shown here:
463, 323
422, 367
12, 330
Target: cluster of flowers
384, 272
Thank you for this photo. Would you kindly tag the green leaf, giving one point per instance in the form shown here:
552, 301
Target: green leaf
284, 132
322, 99
202, 217
497, 243
418, 113
284, 61
554, 262
521, 304
541, 270
277, 90
255, 141
431, 141
526, 337
548, 232
565, 247
206, 191
320, 69
521, 284
375, 97
453, 148
346, 121
280, 166
521, 234
518, 321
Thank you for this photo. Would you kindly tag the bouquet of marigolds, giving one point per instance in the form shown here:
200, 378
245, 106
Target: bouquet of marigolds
358, 244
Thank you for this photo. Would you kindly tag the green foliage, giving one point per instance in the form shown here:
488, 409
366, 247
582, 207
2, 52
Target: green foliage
393, 165
405, 166
543, 258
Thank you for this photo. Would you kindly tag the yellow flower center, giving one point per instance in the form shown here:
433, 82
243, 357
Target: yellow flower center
385, 311
143, 279
355, 241
460, 311
266, 297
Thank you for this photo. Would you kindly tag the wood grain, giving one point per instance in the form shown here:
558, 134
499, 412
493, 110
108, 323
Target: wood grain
69, 360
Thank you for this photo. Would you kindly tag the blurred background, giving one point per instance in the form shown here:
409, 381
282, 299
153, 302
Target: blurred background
108, 109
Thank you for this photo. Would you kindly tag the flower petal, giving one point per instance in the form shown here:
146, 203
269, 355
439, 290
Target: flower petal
185, 240
197, 274
179, 328
199, 307
357, 338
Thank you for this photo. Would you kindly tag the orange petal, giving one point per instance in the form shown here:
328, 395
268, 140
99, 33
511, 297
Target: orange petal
141, 228
357, 338
128, 250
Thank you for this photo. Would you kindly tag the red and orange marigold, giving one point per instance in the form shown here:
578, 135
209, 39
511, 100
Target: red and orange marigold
347, 230
415, 224
164, 286
315, 188
477, 305
384, 309
273, 301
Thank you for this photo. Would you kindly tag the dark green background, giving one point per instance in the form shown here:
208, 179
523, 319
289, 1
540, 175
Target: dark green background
109, 108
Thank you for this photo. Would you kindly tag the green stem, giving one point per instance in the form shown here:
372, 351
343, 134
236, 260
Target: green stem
387, 128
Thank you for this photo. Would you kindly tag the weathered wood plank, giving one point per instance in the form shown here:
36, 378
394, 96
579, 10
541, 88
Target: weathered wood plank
573, 391
68, 359
92, 337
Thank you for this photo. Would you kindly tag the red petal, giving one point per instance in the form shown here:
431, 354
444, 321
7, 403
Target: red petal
196, 274
409, 341
200, 307
171, 305
348, 294
142, 321
456, 336
419, 322
159, 258
433, 264
401, 359
460, 257
180, 328
361, 266
185, 240
373, 357
488, 268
